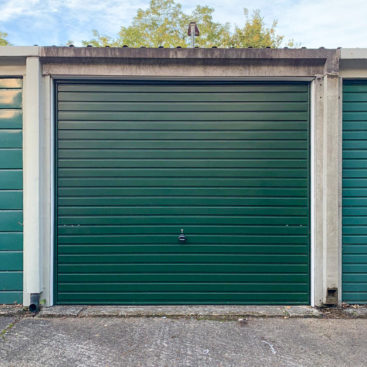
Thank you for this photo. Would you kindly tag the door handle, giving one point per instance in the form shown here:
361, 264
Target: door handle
182, 238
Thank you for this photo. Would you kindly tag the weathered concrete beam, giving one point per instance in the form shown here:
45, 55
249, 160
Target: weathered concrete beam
186, 53
294, 58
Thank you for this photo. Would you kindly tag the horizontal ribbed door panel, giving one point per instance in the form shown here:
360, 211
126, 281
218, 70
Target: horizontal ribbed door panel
11, 191
226, 162
355, 191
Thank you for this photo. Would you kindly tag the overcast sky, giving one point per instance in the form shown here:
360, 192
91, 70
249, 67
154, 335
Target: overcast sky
312, 23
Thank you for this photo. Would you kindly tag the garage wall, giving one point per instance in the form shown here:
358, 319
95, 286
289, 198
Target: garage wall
11, 191
280, 63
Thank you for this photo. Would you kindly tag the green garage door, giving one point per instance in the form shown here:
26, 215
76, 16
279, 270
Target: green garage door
11, 191
355, 192
227, 163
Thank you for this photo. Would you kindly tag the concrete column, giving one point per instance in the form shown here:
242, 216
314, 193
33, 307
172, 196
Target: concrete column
317, 204
31, 179
327, 190
332, 222
46, 185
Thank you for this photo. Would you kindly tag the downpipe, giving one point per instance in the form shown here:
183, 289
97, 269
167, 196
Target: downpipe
35, 302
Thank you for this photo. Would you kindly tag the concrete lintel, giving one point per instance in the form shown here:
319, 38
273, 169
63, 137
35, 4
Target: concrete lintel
183, 69
19, 51
12, 70
186, 53
353, 69
353, 53
246, 57
353, 63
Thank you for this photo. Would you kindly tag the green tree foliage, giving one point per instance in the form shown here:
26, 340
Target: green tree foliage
211, 33
162, 24
255, 34
3, 41
165, 24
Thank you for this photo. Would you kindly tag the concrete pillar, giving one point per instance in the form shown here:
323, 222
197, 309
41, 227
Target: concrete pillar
326, 242
317, 190
47, 185
31, 179
332, 222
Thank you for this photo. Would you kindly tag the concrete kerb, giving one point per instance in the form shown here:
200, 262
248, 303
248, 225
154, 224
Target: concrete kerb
356, 312
196, 312
12, 310
225, 313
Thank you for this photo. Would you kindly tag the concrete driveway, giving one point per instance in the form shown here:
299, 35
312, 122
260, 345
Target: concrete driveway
160, 341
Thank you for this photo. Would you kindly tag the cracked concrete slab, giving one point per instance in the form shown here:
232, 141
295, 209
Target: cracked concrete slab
152, 342
4, 323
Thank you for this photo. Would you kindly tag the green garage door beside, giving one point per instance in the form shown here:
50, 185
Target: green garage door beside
355, 191
11, 191
228, 163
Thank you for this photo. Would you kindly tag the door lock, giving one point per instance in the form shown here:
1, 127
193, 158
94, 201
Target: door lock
182, 238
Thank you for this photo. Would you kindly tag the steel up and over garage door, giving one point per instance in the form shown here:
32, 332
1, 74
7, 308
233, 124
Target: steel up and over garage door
226, 162
355, 192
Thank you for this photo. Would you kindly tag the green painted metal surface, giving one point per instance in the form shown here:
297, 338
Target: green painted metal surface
226, 162
355, 191
11, 191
